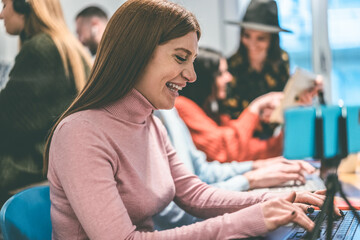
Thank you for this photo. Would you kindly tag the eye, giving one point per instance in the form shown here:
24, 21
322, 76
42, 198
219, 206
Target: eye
246, 35
180, 59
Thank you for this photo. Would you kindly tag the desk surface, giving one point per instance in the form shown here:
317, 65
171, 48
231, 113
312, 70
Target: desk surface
350, 178
351, 186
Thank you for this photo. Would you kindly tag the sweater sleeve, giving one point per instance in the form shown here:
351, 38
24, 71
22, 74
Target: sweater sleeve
86, 175
82, 167
231, 141
225, 211
173, 216
209, 172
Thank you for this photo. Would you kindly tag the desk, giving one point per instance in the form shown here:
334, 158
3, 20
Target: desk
350, 183
350, 178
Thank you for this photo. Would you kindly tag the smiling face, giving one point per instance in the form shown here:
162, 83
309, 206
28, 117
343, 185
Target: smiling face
222, 79
257, 44
13, 21
168, 71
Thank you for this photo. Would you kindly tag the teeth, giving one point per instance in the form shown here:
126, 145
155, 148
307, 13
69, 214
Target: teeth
172, 85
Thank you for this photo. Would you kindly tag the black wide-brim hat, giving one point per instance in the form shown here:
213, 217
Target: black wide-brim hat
261, 15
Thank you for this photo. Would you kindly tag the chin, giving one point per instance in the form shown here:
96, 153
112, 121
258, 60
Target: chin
13, 32
166, 106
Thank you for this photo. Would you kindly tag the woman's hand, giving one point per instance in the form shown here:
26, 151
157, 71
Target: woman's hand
281, 211
276, 171
275, 175
305, 200
306, 96
265, 105
305, 166
293, 208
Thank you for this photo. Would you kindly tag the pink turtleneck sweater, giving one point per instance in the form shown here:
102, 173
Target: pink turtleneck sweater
111, 169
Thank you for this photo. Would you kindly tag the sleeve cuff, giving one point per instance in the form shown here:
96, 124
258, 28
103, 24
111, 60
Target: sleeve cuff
250, 226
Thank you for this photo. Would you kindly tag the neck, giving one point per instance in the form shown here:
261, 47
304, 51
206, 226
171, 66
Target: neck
257, 65
257, 61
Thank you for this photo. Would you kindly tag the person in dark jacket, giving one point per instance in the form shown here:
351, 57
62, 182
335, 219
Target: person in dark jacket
259, 66
50, 69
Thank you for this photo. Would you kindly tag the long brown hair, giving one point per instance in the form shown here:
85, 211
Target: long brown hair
46, 16
128, 43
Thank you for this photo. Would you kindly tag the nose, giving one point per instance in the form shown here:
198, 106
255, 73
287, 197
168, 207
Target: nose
252, 44
229, 77
189, 73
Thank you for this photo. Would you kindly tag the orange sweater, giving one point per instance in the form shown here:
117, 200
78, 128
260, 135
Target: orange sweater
232, 140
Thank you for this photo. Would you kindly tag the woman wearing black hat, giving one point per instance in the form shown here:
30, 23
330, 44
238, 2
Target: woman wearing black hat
259, 66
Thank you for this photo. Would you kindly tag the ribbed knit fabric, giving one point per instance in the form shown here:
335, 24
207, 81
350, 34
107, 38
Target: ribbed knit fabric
111, 169
37, 92
232, 140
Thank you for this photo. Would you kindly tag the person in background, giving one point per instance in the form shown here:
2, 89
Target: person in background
90, 26
235, 176
49, 70
259, 65
218, 136
110, 164
5, 68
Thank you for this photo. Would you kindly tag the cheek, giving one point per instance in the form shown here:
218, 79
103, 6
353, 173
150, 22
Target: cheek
169, 73
14, 24
220, 83
84, 37
245, 42
265, 45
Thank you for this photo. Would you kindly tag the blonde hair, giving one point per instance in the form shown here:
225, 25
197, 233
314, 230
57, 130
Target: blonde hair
46, 16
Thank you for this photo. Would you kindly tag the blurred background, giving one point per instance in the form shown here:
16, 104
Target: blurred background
325, 38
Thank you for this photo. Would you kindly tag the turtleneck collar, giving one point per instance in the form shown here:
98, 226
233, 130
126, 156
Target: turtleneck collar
134, 107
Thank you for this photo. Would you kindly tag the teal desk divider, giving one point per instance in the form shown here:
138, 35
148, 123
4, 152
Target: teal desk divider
299, 135
330, 115
299, 138
353, 128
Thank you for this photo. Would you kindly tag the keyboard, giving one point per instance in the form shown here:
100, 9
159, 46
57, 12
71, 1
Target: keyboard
313, 183
344, 228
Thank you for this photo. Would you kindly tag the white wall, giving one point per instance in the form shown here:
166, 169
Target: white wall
71, 8
9, 44
210, 13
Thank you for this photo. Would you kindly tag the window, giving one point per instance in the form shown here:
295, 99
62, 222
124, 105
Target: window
344, 37
295, 15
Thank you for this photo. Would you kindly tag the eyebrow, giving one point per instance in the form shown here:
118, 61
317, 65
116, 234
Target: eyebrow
185, 50
188, 52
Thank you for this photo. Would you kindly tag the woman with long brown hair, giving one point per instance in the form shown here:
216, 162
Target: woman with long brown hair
259, 65
111, 166
49, 70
